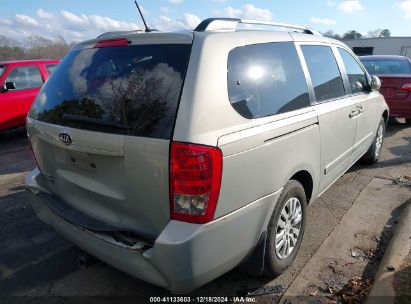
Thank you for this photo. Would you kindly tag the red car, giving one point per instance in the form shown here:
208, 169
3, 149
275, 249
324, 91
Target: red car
395, 75
20, 81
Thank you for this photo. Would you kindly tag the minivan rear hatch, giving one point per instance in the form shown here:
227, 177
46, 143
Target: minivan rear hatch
101, 127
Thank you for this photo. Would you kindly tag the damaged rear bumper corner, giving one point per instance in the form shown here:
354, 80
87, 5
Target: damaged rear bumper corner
129, 260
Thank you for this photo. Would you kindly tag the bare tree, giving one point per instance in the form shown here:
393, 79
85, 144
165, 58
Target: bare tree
59, 48
11, 53
36, 47
379, 33
331, 34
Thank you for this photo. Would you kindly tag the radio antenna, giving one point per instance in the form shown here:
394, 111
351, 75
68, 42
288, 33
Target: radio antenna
147, 30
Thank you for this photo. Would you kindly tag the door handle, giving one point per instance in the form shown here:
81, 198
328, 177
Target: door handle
354, 113
361, 108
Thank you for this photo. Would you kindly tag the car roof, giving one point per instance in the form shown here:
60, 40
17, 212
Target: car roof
22, 62
382, 57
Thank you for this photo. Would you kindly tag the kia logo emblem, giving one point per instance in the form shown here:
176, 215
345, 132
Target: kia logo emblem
65, 138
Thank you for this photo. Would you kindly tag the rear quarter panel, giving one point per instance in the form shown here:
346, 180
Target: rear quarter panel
259, 161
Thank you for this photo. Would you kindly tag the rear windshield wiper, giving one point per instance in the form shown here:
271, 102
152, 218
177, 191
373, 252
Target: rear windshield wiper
94, 121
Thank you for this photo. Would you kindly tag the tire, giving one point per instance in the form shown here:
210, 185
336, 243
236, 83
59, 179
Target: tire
408, 121
278, 260
374, 152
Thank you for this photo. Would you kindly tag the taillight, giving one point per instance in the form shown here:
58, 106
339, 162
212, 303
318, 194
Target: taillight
406, 87
195, 180
112, 42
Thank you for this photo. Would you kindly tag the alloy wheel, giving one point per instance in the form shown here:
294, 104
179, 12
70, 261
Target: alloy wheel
288, 228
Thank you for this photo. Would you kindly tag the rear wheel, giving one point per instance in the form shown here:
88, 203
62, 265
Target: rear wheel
374, 152
285, 229
408, 121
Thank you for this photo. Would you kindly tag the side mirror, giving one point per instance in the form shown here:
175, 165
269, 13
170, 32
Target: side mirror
7, 86
375, 83
10, 86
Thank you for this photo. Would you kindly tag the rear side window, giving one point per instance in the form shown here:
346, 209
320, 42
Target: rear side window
2, 69
51, 67
356, 75
324, 72
25, 77
131, 90
266, 79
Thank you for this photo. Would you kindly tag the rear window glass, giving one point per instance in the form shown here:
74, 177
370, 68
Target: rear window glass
266, 79
324, 71
387, 66
2, 69
131, 90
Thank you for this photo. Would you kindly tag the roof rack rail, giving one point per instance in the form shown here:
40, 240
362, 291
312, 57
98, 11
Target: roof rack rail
215, 24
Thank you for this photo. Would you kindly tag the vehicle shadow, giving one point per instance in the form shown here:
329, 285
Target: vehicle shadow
400, 154
13, 135
15, 155
393, 155
394, 126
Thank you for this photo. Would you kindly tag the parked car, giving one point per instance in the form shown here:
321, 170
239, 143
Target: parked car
20, 81
395, 75
176, 157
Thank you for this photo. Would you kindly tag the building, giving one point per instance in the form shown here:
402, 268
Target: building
381, 46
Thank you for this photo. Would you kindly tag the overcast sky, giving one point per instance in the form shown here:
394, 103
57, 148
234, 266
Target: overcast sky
79, 20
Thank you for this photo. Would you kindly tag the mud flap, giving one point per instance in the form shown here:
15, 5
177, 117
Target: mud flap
254, 263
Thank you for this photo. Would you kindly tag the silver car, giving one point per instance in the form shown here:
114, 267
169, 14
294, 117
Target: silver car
176, 157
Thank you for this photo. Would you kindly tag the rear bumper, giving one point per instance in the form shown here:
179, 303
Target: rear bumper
184, 257
400, 108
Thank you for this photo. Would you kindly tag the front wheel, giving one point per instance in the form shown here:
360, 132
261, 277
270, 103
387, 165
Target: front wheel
374, 152
285, 229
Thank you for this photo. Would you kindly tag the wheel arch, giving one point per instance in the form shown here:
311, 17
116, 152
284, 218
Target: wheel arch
307, 179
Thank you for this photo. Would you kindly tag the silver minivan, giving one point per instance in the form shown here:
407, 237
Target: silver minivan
176, 157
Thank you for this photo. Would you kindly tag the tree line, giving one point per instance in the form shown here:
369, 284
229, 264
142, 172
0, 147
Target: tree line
353, 34
37, 47
33, 47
